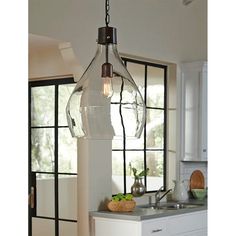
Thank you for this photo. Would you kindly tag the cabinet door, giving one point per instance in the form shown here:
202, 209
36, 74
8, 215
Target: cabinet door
203, 115
194, 107
154, 228
188, 224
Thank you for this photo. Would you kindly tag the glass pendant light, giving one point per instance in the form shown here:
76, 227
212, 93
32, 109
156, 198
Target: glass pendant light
106, 102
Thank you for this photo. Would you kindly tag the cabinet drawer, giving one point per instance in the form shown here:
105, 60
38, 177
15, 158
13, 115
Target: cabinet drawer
154, 228
113, 227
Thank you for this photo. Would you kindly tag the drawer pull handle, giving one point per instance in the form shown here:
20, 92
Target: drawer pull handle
156, 230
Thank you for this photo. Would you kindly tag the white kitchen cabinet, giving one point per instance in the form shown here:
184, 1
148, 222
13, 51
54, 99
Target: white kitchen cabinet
115, 227
194, 111
189, 224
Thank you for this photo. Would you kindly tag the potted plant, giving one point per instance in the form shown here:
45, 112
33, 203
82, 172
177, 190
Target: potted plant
138, 188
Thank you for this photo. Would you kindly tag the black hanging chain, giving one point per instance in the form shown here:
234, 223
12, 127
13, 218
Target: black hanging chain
107, 9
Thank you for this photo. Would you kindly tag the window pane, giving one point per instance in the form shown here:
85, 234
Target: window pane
45, 195
67, 151
43, 227
42, 106
67, 228
67, 197
155, 87
65, 91
133, 159
155, 163
155, 128
117, 172
135, 143
42, 149
137, 72
117, 143
130, 143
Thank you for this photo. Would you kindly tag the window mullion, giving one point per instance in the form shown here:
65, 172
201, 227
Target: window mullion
56, 164
145, 131
165, 127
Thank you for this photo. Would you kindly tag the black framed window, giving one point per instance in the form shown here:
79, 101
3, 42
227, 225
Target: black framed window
150, 150
52, 160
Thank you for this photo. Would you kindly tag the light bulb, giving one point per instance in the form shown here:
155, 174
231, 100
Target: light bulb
107, 90
107, 74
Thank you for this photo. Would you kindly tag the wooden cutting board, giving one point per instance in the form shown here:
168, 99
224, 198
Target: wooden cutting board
197, 180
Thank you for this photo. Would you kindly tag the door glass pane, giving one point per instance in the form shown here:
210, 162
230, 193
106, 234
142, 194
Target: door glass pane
42, 106
155, 128
67, 151
155, 87
67, 228
133, 159
155, 163
67, 197
137, 72
45, 195
117, 172
43, 227
42, 149
65, 91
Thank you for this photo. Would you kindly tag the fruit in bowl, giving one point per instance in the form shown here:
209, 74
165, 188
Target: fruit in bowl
199, 194
121, 202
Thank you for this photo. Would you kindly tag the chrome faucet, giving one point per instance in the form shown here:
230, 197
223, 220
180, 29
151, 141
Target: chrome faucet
158, 196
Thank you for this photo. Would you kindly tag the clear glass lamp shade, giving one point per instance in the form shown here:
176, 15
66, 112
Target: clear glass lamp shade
106, 108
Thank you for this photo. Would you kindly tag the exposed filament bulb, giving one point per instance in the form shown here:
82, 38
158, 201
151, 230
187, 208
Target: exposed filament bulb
107, 75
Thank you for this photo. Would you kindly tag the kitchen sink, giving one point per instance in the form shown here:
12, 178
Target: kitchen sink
172, 206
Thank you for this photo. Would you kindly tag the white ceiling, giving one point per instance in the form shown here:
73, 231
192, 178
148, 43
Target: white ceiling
164, 30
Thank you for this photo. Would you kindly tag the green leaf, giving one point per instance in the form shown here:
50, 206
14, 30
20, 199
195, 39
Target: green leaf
143, 173
134, 171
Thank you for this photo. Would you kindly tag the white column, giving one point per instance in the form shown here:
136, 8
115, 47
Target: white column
94, 179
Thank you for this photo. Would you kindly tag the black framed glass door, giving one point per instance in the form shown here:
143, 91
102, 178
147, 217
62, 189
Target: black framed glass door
52, 161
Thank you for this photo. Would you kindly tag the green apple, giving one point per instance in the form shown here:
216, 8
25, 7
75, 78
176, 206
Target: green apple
128, 196
115, 199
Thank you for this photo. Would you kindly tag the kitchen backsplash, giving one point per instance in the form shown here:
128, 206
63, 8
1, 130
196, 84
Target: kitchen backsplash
187, 168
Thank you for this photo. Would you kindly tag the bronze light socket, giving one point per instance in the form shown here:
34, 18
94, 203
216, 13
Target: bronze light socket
107, 70
107, 35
